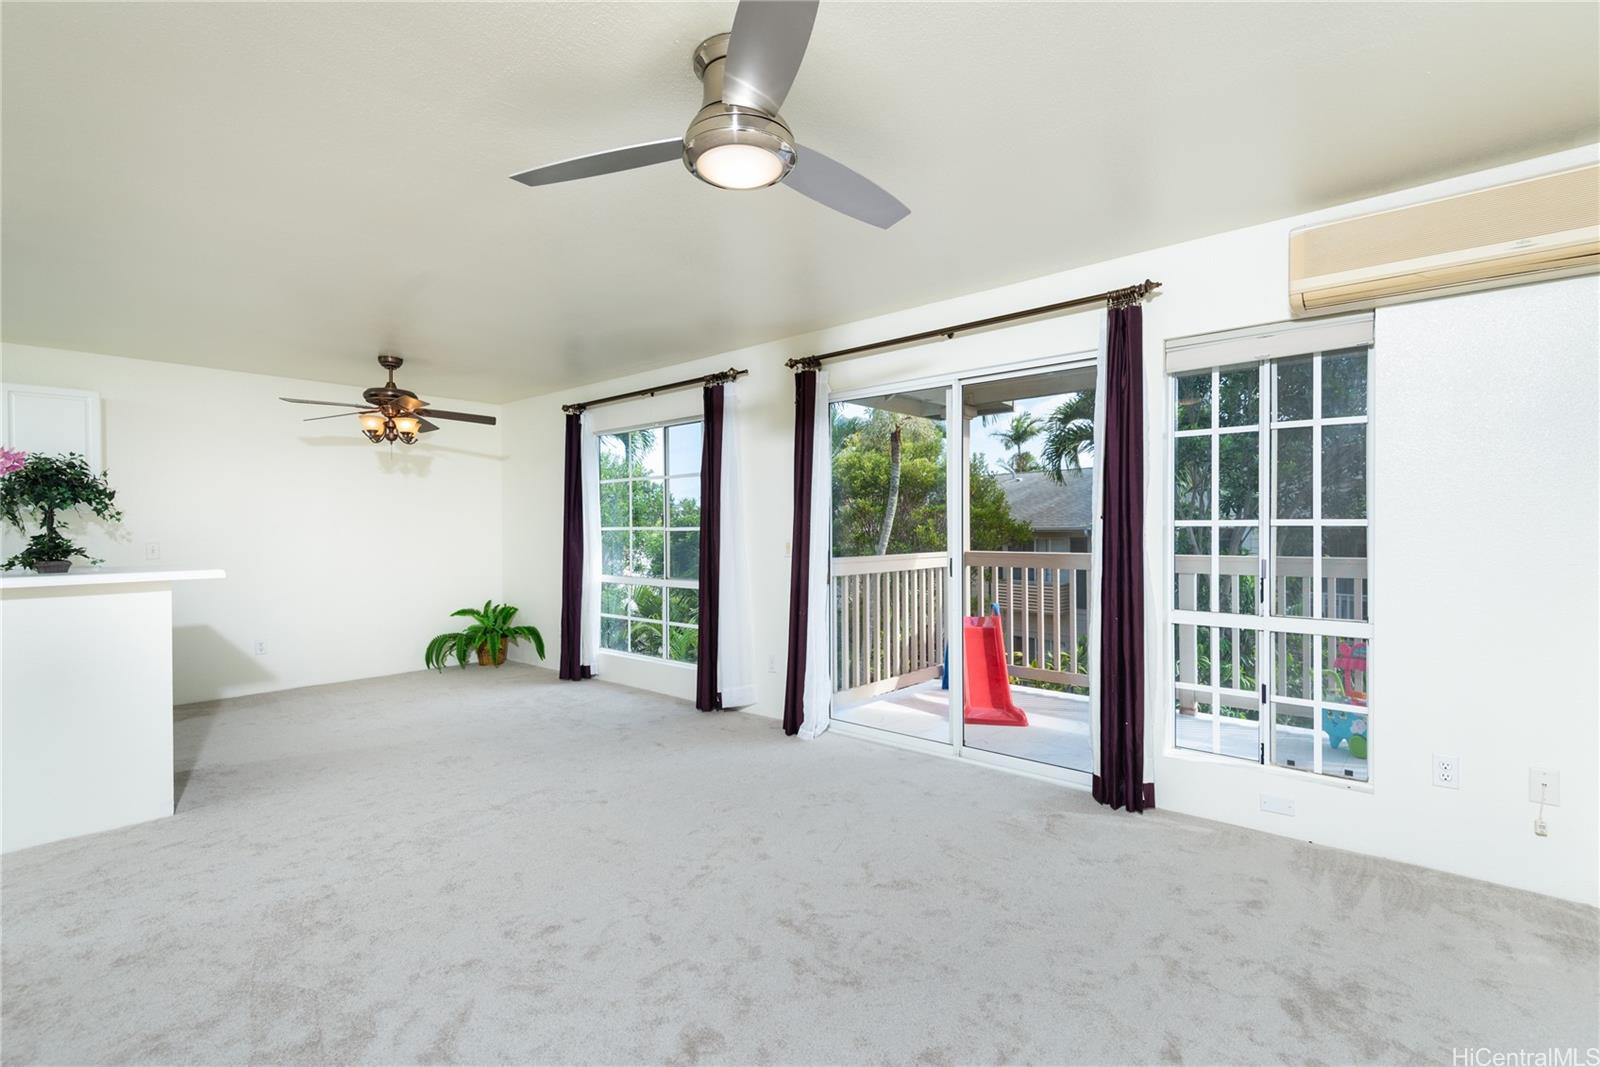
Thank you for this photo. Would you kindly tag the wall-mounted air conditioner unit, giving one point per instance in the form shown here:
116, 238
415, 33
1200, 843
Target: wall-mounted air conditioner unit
1545, 227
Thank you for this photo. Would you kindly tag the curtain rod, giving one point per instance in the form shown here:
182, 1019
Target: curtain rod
718, 378
1112, 297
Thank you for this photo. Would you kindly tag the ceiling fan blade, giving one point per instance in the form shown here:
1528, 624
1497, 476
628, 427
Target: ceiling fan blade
764, 53
325, 403
339, 415
638, 155
832, 184
426, 426
458, 416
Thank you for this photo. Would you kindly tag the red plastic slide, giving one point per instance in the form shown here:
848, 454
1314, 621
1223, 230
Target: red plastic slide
988, 697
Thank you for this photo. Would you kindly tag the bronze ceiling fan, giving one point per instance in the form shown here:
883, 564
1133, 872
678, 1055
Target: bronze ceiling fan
392, 413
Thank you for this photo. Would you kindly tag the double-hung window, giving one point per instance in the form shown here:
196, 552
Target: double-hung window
650, 542
1270, 529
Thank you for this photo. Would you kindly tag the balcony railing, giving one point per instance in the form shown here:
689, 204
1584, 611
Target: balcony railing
1238, 582
1038, 595
888, 621
889, 616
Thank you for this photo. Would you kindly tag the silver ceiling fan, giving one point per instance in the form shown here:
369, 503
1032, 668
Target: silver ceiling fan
737, 139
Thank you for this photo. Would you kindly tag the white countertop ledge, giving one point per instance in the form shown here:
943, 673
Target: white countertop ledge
103, 576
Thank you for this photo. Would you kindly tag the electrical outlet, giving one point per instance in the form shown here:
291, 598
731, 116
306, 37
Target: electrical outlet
152, 550
772, 664
1446, 771
1277, 805
1544, 787
261, 648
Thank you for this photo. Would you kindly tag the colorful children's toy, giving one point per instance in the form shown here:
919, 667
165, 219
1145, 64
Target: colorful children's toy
988, 699
1347, 728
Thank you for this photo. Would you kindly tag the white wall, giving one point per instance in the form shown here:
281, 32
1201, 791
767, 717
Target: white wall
1484, 483
343, 556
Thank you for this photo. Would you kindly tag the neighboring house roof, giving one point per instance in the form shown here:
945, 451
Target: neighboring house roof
1046, 504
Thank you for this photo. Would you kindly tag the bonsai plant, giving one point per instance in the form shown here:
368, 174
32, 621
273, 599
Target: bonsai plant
490, 634
37, 492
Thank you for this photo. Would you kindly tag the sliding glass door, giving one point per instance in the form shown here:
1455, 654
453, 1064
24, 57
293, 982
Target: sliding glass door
1029, 442
961, 596
891, 565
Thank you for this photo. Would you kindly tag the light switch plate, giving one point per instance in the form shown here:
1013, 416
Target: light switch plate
1545, 785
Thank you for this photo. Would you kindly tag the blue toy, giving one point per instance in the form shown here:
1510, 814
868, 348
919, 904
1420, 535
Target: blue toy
1350, 730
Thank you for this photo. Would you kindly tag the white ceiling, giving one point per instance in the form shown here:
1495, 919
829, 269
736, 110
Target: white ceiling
290, 188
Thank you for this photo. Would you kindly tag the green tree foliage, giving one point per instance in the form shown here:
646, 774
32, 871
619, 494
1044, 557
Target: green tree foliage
861, 478
1022, 429
993, 527
41, 493
1068, 434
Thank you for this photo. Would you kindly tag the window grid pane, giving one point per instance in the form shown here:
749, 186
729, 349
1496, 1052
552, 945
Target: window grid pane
649, 552
1311, 455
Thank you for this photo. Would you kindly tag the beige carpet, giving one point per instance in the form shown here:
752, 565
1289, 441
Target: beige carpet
492, 867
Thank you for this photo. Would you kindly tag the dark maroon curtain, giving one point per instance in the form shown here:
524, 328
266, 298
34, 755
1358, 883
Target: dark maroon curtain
707, 697
1120, 782
572, 667
805, 424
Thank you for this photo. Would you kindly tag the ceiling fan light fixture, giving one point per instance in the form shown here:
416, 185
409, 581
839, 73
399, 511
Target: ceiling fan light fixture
738, 166
734, 149
390, 412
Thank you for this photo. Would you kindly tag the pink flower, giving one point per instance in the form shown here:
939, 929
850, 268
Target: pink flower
11, 459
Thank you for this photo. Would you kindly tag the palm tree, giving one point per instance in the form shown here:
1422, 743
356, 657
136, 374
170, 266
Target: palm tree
1068, 434
1022, 463
892, 503
1024, 428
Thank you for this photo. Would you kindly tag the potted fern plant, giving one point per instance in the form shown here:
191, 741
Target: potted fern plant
37, 490
489, 635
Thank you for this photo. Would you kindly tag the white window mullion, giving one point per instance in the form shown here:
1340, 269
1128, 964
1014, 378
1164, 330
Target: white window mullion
1316, 708
1264, 570
1316, 605
1214, 594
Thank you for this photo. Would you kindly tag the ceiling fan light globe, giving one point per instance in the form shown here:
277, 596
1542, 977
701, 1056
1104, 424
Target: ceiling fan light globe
739, 166
738, 149
408, 426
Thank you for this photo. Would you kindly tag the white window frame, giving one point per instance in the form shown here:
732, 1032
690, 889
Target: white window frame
1233, 351
665, 584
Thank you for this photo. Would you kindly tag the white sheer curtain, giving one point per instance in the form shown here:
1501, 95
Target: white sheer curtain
819, 681
1096, 553
735, 668
589, 625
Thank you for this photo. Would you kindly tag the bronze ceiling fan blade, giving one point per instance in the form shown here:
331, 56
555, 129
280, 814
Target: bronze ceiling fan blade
457, 416
324, 403
426, 426
341, 415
